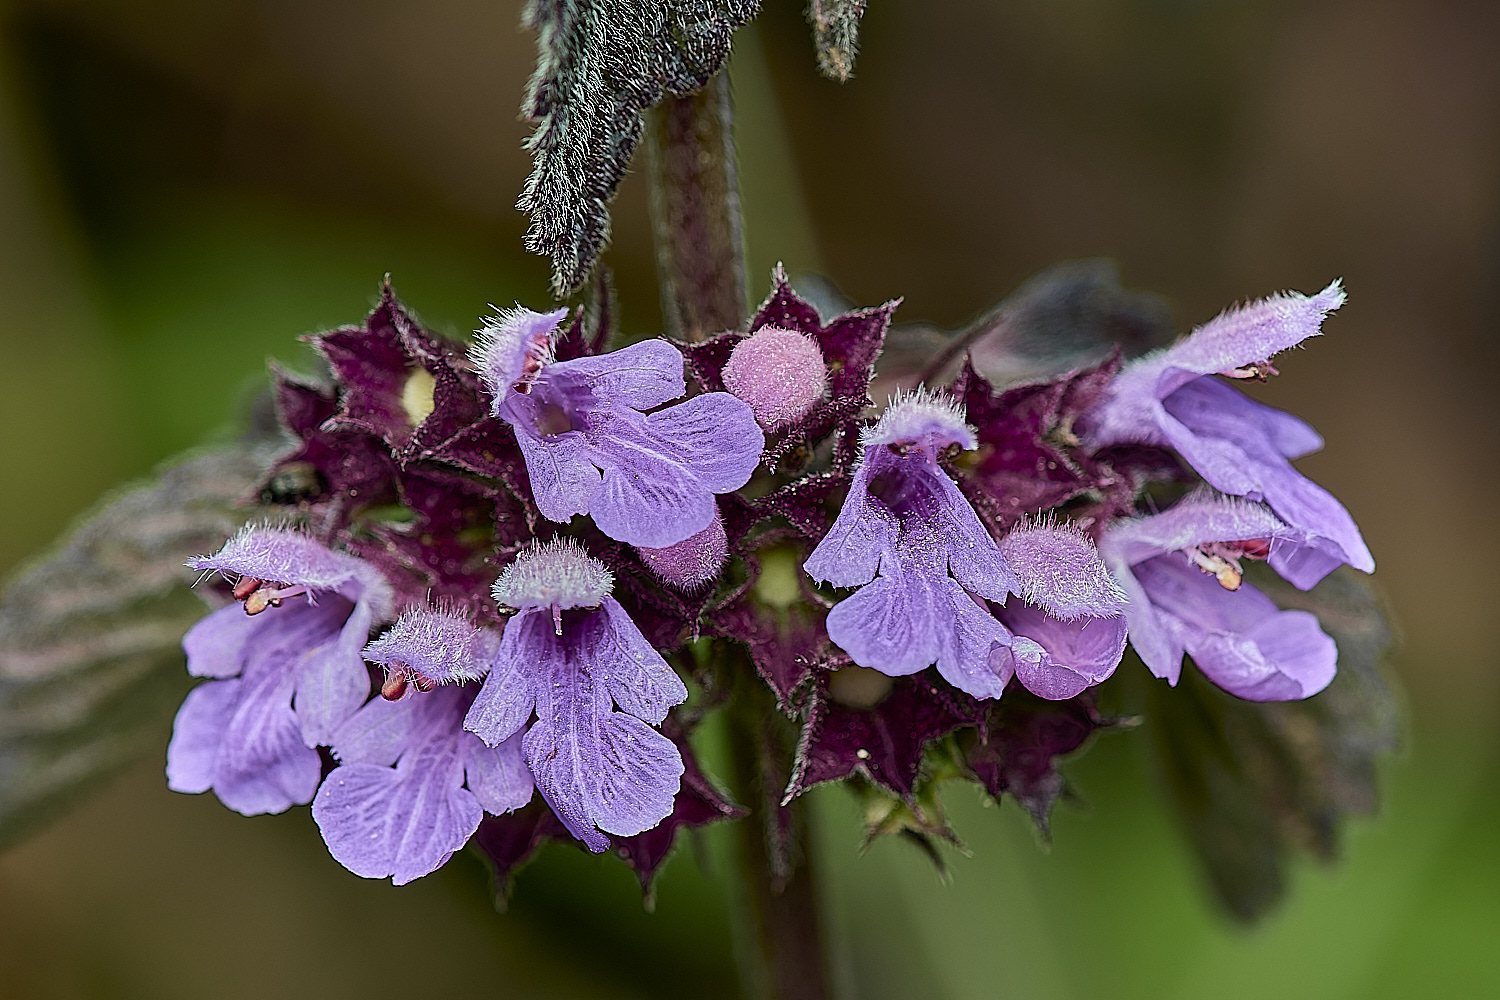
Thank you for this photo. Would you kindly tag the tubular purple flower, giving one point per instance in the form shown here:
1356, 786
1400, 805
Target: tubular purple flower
285, 666
924, 564
1181, 571
572, 654
648, 479
1239, 446
427, 647
411, 786
1068, 620
913, 545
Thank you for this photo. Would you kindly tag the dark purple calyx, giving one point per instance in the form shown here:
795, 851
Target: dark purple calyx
456, 532
334, 470
1029, 459
1022, 740
850, 727
399, 382
777, 615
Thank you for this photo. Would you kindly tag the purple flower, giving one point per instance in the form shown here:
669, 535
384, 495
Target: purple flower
412, 786
1068, 623
914, 546
426, 648
286, 669
1181, 571
1239, 446
923, 562
879, 730
648, 479
572, 654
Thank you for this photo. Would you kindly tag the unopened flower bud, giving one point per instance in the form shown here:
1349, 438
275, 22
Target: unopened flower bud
692, 563
779, 373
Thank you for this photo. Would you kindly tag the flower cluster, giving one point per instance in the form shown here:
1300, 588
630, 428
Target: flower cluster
502, 567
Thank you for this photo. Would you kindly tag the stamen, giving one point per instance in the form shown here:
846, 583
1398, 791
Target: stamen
1226, 571
1258, 370
395, 683
269, 596
538, 355
557, 619
1258, 549
259, 601
247, 586
1221, 560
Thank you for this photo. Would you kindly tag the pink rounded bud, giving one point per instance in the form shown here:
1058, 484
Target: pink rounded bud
692, 563
779, 373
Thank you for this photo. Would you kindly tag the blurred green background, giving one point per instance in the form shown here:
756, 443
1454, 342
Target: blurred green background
187, 185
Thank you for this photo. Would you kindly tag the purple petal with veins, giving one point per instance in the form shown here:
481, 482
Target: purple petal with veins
913, 545
412, 786
1065, 657
1187, 595
647, 479
287, 669
572, 654
1172, 397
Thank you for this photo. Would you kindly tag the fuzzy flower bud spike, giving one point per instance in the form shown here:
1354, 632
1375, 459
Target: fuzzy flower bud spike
286, 669
1239, 446
693, 563
648, 479
572, 655
924, 564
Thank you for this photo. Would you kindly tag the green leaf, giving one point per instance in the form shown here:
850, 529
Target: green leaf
1255, 783
91, 667
600, 65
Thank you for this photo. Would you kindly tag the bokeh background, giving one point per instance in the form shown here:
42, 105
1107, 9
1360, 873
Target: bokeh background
187, 185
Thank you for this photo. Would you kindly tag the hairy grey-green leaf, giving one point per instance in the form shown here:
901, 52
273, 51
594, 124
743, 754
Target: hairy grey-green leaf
90, 632
600, 65
1255, 782
835, 25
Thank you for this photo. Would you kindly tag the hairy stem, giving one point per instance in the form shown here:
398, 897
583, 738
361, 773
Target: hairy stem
780, 945
695, 212
695, 215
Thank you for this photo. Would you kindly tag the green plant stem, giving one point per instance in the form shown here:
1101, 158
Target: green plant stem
695, 212
779, 927
695, 216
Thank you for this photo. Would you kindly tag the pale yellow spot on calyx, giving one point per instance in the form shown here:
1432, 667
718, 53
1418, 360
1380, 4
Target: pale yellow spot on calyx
777, 584
416, 395
859, 687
